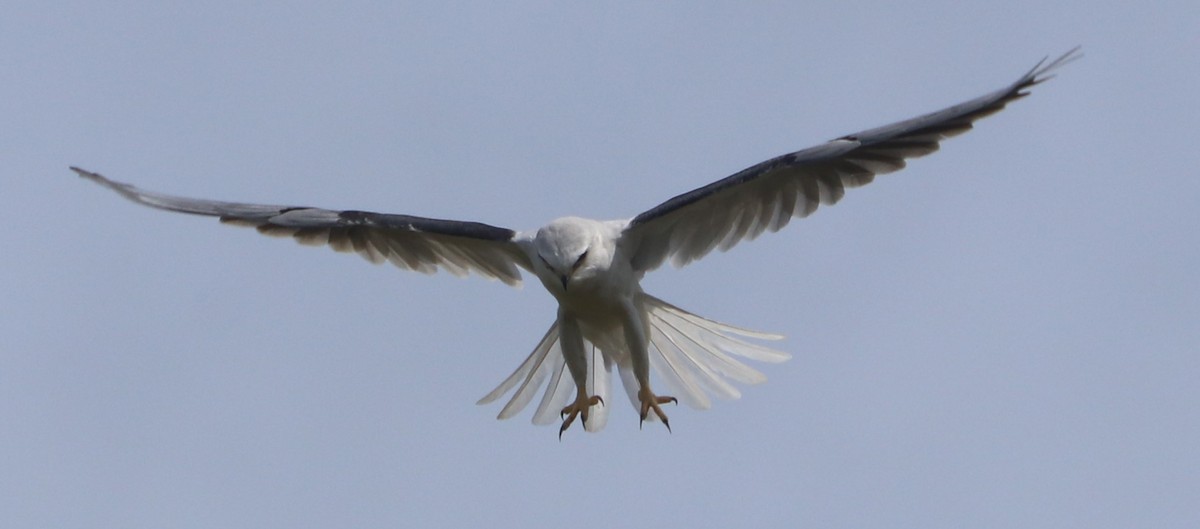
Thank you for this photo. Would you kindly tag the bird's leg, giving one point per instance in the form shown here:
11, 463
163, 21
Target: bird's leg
636, 322
578, 408
571, 341
650, 401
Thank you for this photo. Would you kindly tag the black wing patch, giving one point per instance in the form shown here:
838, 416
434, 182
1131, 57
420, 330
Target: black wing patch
766, 196
410, 242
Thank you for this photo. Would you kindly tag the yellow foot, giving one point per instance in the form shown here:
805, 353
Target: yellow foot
578, 408
650, 401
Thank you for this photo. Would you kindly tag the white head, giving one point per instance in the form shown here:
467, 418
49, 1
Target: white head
562, 247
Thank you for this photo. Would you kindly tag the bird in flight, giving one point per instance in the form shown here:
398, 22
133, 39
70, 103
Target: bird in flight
594, 268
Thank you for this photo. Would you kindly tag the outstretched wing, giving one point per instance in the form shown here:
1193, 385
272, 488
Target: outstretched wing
412, 243
766, 196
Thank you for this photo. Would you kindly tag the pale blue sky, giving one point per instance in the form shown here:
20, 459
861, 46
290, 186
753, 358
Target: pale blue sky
1002, 335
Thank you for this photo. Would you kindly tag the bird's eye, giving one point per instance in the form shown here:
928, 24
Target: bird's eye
579, 261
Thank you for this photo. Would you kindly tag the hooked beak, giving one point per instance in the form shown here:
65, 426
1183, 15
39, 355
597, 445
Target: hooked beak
565, 279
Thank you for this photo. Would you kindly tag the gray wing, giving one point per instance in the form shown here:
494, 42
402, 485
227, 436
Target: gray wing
412, 243
766, 196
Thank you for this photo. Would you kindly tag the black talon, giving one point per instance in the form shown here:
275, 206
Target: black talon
566, 424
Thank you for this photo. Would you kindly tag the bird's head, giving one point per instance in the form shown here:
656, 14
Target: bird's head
562, 247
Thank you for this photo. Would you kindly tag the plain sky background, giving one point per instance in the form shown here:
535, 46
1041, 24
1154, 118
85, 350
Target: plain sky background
1005, 334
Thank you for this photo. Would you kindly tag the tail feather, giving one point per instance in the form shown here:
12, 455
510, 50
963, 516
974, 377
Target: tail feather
716, 326
710, 379
599, 383
630, 383
546, 362
694, 356
677, 369
558, 390
523, 370
698, 351
535, 369
720, 335
710, 352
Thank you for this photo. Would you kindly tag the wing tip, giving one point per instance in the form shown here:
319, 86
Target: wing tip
1042, 71
84, 173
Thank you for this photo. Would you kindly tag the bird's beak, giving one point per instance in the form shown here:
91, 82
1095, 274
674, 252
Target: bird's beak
565, 279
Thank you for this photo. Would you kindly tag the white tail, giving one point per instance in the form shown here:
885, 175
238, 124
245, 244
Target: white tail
692, 355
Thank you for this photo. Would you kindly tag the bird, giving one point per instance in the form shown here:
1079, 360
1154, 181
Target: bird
593, 268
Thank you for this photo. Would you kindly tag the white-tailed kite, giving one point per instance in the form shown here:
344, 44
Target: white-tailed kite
593, 268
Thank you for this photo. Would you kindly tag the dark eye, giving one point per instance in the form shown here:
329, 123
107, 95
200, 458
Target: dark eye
579, 261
